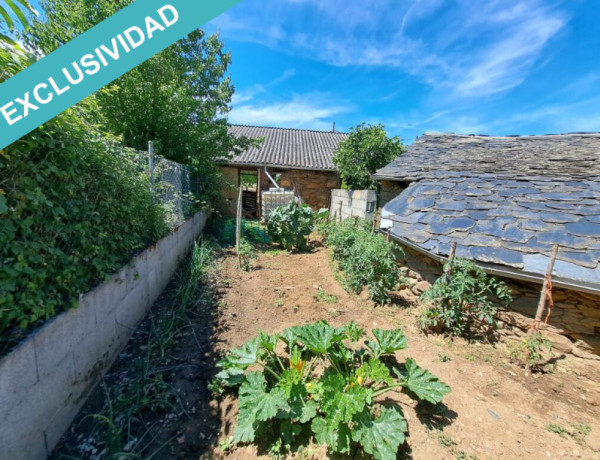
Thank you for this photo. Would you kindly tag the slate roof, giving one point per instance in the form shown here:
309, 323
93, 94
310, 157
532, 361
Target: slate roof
563, 155
507, 220
288, 148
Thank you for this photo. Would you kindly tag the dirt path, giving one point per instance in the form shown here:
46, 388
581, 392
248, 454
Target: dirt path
493, 412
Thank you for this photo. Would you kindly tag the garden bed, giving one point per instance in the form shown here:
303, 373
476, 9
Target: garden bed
494, 409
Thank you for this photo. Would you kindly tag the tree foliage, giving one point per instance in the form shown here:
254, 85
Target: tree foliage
179, 98
367, 149
12, 57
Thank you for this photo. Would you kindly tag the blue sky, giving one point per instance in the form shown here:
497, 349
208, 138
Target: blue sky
499, 67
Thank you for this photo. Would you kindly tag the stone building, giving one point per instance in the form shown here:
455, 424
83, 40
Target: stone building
297, 160
506, 201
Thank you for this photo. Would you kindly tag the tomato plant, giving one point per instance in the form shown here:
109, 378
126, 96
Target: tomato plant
463, 296
326, 382
365, 258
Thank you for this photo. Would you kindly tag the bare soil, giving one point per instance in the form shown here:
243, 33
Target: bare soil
495, 411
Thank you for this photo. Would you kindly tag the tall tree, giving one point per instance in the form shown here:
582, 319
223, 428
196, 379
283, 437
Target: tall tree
179, 98
367, 149
12, 56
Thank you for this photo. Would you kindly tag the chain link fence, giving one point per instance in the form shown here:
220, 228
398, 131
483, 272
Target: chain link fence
171, 183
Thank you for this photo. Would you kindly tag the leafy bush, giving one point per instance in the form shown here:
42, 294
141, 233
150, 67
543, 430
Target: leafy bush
365, 258
289, 225
463, 296
529, 350
328, 383
73, 208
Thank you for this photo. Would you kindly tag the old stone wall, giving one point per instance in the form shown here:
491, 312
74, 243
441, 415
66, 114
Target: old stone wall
313, 186
390, 190
573, 327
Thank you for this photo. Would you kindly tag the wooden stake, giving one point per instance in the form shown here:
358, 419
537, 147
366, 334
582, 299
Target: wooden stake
451, 258
546, 289
238, 228
340, 211
387, 234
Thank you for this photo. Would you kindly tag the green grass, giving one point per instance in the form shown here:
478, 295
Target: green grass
147, 389
322, 296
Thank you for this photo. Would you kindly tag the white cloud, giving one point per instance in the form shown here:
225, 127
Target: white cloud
466, 49
312, 111
248, 94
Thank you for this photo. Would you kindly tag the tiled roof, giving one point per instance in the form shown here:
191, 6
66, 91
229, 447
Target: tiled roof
563, 155
288, 148
505, 222
505, 201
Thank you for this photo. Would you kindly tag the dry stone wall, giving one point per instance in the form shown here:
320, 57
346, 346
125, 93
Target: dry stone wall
313, 186
573, 327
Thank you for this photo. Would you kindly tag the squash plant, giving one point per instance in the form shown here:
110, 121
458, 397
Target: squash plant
325, 381
289, 225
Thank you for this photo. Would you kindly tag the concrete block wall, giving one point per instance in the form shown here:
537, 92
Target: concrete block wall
45, 381
273, 199
353, 203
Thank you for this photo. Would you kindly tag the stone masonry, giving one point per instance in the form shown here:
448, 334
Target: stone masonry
573, 327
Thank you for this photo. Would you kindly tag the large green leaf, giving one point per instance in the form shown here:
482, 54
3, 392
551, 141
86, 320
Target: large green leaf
422, 383
335, 436
3, 206
381, 437
388, 341
342, 400
244, 356
318, 337
231, 377
375, 371
256, 405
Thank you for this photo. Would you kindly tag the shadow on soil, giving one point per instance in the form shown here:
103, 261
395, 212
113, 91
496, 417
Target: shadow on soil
154, 402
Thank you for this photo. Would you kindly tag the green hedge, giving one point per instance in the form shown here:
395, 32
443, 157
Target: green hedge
73, 208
